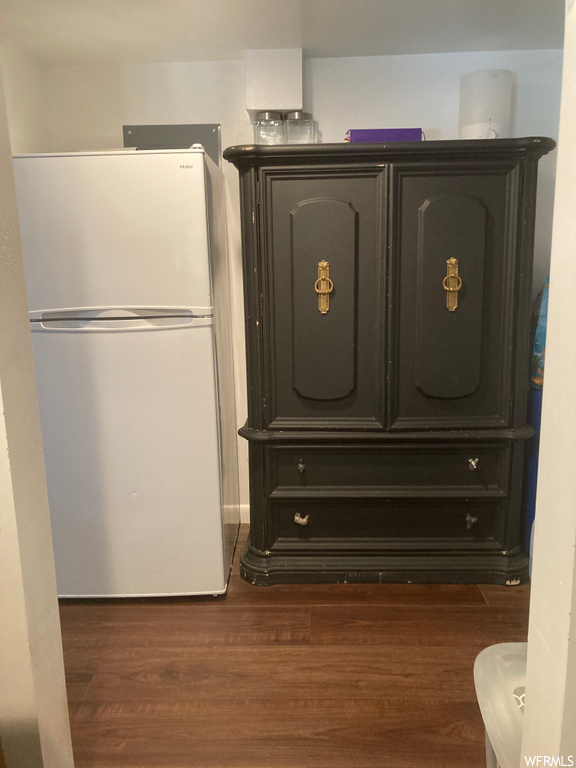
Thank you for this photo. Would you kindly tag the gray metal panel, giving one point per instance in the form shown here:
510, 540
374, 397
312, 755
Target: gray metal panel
175, 137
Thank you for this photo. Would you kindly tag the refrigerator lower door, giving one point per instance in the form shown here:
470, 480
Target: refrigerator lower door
129, 418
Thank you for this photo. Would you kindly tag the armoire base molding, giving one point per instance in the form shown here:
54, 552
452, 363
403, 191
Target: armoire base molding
508, 569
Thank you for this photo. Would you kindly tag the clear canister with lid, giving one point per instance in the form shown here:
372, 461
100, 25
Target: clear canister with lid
268, 128
298, 128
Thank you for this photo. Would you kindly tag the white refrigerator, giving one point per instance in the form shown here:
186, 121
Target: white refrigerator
127, 279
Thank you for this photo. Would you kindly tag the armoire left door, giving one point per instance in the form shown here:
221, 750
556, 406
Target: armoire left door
324, 315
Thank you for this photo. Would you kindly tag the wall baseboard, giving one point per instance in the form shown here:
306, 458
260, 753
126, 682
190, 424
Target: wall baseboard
244, 513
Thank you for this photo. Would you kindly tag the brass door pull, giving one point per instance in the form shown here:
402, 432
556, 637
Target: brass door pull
299, 520
323, 286
452, 284
473, 464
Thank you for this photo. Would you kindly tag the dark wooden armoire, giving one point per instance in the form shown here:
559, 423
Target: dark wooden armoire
387, 295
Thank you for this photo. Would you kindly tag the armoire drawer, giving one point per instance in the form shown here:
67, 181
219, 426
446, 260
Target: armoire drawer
385, 523
397, 470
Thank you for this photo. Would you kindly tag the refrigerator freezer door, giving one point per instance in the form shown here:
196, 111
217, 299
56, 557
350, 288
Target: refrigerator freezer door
114, 229
132, 454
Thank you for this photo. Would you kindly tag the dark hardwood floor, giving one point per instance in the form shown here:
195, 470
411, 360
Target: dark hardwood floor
304, 676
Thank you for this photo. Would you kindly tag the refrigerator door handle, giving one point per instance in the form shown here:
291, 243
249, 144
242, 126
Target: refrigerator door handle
116, 319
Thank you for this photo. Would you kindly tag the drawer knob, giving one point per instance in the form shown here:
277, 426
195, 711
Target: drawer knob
470, 521
299, 520
301, 467
473, 464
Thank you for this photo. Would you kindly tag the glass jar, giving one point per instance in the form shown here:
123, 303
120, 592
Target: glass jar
268, 128
299, 128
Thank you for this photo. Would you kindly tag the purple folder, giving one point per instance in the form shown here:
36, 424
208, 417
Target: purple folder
383, 135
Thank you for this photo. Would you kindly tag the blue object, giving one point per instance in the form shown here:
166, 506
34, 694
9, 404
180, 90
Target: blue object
535, 414
539, 348
534, 417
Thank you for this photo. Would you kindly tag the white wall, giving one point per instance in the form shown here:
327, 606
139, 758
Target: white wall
34, 723
550, 716
424, 92
25, 93
88, 104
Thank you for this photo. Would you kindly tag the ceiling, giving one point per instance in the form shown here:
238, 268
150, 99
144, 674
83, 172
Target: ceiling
211, 30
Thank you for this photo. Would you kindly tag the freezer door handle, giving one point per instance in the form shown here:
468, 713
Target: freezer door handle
119, 319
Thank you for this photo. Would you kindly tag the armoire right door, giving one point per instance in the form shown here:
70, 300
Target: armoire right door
452, 304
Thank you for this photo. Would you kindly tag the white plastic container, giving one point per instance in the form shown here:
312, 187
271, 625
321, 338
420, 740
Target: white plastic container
486, 104
500, 679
